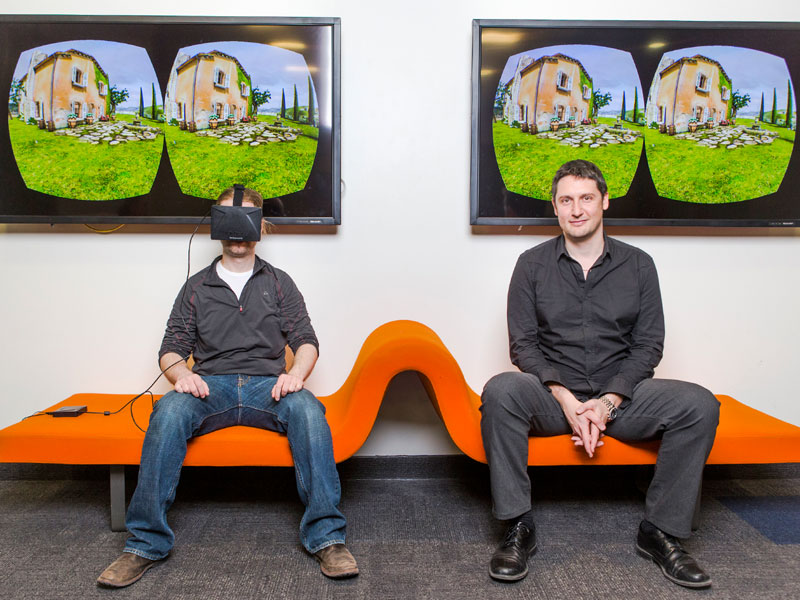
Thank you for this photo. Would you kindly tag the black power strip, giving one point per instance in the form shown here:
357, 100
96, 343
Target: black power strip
68, 411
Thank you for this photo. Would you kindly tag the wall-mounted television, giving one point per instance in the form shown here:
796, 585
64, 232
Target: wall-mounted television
692, 123
148, 119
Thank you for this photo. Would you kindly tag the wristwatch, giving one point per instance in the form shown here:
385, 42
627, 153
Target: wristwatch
612, 409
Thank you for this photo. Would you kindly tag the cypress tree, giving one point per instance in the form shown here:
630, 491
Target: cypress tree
283, 104
153, 109
788, 104
622, 113
310, 103
294, 110
761, 110
774, 105
141, 103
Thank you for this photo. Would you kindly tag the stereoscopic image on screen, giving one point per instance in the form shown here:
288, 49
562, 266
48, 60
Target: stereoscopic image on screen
240, 112
86, 120
691, 123
118, 120
726, 115
559, 103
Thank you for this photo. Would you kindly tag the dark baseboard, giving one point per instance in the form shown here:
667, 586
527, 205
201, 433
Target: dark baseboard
401, 467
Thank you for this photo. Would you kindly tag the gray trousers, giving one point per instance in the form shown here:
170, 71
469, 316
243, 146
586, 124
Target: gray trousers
682, 415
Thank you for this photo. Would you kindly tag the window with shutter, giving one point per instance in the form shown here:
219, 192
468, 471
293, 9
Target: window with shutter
77, 77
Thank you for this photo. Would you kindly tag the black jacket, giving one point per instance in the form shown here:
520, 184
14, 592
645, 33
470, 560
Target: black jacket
247, 335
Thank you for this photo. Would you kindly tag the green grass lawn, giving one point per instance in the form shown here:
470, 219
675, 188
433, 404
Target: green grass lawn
205, 166
684, 171
63, 166
527, 163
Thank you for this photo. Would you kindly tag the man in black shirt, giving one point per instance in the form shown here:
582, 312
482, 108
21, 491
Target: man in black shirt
586, 329
235, 318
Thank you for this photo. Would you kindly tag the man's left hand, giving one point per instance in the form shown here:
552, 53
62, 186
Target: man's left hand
597, 413
286, 384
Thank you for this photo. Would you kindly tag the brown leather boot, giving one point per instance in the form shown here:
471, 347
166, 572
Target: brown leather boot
336, 562
127, 569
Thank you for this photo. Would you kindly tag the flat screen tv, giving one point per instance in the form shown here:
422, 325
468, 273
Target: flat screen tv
691, 123
148, 119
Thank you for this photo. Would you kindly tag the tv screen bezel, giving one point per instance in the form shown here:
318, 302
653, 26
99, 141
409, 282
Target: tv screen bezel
484, 173
189, 209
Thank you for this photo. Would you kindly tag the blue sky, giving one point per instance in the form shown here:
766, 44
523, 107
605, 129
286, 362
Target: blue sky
611, 70
127, 66
751, 72
270, 68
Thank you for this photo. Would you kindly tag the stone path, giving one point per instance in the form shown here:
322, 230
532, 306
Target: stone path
729, 137
111, 132
592, 136
251, 134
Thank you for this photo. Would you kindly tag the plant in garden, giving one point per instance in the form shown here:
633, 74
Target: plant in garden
739, 100
259, 98
774, 115
117, 97
599, 100
500, 99
311, 108
13, 94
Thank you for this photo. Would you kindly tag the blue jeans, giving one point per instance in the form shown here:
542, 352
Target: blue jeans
235, 400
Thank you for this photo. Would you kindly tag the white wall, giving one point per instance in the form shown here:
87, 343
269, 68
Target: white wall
85, 312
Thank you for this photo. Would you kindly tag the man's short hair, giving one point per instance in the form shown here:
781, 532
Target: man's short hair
583, 169
248, 196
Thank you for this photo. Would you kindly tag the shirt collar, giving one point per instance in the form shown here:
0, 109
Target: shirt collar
608, 248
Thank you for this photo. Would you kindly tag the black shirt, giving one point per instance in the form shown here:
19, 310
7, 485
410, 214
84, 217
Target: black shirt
602, 334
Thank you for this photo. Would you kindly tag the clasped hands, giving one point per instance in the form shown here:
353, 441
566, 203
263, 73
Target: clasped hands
587, 419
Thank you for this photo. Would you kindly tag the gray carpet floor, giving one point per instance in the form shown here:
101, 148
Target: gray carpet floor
419, 527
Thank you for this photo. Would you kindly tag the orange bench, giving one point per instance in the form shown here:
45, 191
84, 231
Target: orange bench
745, 435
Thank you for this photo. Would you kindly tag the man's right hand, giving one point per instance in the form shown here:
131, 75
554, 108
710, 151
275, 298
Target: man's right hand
182, 377
192, 384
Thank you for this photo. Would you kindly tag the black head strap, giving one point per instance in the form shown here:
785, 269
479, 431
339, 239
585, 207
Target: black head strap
238, 192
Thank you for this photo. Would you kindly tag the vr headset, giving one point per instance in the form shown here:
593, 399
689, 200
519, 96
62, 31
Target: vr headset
236, 223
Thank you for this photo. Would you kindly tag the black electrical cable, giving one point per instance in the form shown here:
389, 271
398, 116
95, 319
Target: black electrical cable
133, 400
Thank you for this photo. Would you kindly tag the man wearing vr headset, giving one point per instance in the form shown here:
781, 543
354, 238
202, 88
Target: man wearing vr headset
586, 328
235, 317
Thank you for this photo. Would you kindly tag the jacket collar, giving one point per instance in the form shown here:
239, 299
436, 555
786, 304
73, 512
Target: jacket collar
214, 279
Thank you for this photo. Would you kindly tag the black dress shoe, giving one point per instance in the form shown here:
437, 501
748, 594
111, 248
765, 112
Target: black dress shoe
667, 552
510, 560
